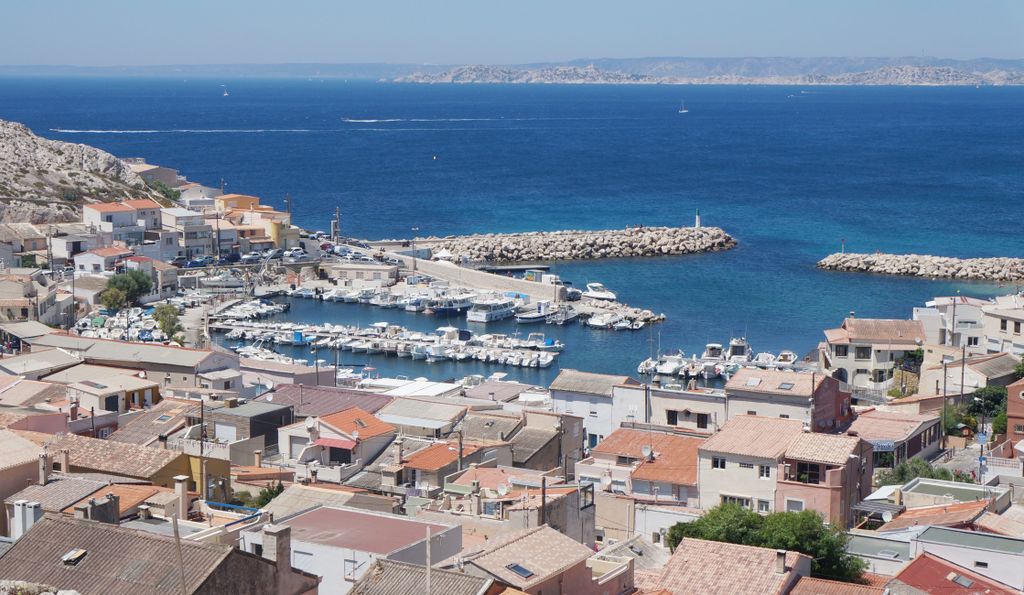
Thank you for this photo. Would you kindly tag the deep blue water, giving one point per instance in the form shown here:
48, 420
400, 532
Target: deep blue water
788, 171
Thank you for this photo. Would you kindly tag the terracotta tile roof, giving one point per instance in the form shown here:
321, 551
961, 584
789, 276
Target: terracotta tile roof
141, 203
439, 455
1010, 523
16, 450
354, 419
876, 424
118, 561
773, 381
322, 400
108, 207
130, 496
675, 461
719, 568
877, 330
830, 449
109, 251
544, 552
754, 436
387, 577
931, 574
94, 454
942, 515
489, 477
820, 586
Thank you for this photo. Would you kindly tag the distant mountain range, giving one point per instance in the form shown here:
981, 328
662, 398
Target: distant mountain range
774, 70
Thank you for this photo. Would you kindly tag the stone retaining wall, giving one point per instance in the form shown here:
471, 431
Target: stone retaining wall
919, 265
581, 245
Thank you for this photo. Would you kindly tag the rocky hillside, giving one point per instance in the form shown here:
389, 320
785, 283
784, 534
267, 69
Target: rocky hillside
46, 180
566, 75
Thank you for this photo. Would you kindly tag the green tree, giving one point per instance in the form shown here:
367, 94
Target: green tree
166, 317
805, 532
1018, 370
113, 298
728, 522
134, 284
907, 470
808, 533
990, 401
999, 423
168, 192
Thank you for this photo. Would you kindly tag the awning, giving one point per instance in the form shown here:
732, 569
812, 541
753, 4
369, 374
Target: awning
883, 445
342, 443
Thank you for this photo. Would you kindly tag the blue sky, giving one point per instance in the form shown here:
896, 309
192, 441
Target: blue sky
117, 32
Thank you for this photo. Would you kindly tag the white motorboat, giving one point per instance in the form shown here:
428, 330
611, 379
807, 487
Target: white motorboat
669, 365
491, 308
647, 366
786, 359
764, 360
597, 291
604, 320
622, 325
563, 315
712, 351
739, 351
538, 313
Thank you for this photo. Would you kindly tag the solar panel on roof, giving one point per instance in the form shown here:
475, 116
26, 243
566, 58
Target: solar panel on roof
520, 570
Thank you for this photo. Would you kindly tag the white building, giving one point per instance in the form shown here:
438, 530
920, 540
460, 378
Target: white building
118, 219
196, 234
1003, 322
340, 544
955, 321
863, 351
592, 397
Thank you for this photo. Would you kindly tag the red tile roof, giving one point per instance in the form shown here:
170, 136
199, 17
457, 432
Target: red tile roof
110, 251
675, 461
437, 456
875, 424
142, 203
755, 436
108, 207
356, 422
820, 586
931, 574
942, 515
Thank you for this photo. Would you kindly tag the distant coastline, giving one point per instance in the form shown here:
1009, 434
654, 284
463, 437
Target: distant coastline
895, 71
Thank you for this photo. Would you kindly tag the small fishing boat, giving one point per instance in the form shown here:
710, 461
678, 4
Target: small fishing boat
682, 108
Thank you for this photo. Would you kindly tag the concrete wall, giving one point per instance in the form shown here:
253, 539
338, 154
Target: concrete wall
482, 280
735, 480
12, 481
711, 403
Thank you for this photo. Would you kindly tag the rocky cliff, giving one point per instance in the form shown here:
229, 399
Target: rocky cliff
45, 180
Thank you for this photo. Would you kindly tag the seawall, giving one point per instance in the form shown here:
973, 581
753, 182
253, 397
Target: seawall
583, 245
921, 265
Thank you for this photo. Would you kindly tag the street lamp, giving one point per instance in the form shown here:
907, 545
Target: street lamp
316, 364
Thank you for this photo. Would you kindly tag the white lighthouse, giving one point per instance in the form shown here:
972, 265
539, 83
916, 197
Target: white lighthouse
696, 220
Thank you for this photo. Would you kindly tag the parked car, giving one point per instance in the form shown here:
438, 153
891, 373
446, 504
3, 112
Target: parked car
196, 264
230, 258
273, 253
295, 253
251, 258
179, 261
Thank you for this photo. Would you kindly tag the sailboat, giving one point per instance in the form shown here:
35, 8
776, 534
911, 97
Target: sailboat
226, 92
682, 108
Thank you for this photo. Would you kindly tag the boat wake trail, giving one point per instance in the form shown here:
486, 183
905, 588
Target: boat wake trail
186, 131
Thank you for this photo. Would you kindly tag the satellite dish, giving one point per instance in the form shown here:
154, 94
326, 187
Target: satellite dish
355, 435
503, 490
310, 423
646, 451
887, 516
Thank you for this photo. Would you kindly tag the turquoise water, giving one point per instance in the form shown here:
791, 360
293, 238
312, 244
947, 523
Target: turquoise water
788, 171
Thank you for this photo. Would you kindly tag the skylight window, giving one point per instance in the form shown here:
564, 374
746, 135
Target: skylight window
520, 570
162, 418
786, 386
963, 581
360, 423
753, 381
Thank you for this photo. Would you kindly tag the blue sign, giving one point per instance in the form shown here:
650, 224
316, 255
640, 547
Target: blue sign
982, 438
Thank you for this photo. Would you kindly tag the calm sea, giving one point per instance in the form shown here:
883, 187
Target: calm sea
789, 171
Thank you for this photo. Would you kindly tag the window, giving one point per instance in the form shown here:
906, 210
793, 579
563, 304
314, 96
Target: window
862, 353
763, 506
671, 417
751, 412
979, 564
520, 570
1002, 324
624, 461
808, 472
972, 341
593, 409
786, 386
746, 465
656, 537
842, 350
702, 420
794, 505
1016, 327
744, 502
784, 415
1018, 428
764, 472
717, 463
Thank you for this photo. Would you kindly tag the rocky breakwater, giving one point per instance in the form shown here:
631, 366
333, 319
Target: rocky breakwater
933, 267
583, 245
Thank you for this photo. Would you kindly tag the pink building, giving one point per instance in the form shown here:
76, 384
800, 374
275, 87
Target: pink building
825, 473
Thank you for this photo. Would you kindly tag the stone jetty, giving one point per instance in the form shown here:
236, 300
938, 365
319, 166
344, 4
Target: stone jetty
932, 267
583, 245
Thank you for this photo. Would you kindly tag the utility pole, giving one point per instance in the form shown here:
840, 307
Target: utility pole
287, 203
412, 243
945, 375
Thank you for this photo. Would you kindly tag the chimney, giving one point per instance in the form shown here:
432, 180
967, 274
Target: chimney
780, 561
181, 490
277, 544
257, 458
24, 517
396, 451
33, 512
145, 512
231, 402
65, 460
44, 468
897, 496
73, 410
